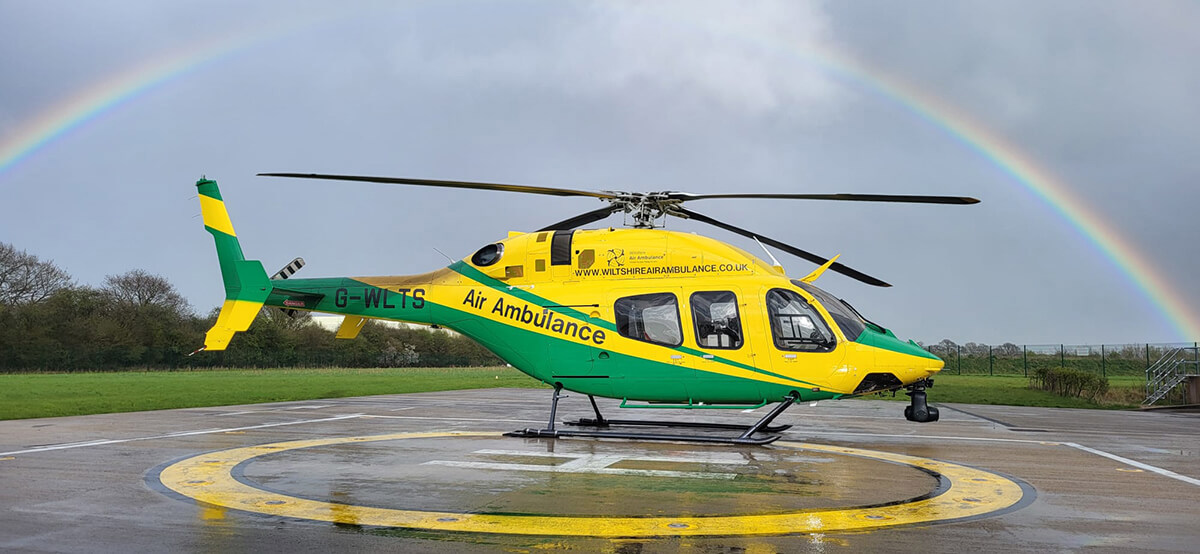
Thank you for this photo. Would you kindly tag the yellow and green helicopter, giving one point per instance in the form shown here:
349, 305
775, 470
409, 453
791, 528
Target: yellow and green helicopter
652, 317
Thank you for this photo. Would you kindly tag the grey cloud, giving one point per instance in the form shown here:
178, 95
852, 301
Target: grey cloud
700, 97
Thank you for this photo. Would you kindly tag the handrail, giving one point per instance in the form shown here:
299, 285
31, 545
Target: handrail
1169, 371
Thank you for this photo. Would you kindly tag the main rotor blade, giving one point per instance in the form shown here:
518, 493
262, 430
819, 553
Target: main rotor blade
451, 184
837, 266
581, 219
908, 198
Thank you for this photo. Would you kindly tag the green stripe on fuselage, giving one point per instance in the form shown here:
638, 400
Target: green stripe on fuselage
579, 367
547, 358
469, 272
888, 341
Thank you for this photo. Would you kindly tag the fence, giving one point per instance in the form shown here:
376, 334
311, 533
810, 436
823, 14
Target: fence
1122, 360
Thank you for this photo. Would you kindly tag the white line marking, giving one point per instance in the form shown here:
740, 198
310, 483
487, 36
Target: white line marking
367, 416
184, 433
1134, 463
838, 433
72, 444
288, 409
596, 470
717, 458
1127, 461
175, 435
600, 463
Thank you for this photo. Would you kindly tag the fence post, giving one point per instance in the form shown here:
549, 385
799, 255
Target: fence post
990, 360
1025, 358
959, 363
1062, 356
1103, 370
1147, 356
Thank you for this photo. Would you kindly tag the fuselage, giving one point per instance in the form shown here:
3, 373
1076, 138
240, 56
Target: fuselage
639, 314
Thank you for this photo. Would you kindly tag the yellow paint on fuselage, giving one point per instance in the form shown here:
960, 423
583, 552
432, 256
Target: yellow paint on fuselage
608, 264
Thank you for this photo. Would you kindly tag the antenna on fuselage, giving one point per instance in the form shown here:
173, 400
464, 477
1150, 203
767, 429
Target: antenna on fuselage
774, 262
442, 253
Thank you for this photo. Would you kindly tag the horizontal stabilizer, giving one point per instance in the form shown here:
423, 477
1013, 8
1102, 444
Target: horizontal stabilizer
351, 325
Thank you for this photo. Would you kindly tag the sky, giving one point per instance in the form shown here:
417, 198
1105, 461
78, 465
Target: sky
1075, 122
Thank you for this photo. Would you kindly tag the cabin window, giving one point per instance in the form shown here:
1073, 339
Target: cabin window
650, 318
716, 317
795, 323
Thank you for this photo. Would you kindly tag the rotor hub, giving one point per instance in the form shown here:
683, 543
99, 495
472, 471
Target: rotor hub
644, 210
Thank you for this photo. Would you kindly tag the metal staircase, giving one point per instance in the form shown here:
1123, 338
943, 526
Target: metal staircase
1173, 368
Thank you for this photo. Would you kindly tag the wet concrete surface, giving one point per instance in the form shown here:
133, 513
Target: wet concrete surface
1096, 480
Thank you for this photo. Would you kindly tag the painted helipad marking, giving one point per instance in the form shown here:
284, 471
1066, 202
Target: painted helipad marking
600, 464
208, 478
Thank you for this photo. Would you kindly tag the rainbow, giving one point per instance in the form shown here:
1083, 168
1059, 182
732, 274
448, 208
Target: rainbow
1036, 180
122, 88
70, 114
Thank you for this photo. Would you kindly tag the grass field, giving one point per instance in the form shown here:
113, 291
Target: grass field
62, 394
1124, 392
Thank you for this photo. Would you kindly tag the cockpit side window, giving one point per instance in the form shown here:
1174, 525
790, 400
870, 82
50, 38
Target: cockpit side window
848, 320
795, 324
716, 317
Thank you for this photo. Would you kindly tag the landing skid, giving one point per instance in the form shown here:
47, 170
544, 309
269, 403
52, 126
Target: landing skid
555, 433
589, 422
747, 436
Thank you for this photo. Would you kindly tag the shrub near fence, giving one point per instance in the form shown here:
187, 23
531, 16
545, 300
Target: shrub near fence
1130, 360
1070, 382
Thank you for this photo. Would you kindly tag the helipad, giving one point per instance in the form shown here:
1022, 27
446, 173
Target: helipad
957, 492
418, 472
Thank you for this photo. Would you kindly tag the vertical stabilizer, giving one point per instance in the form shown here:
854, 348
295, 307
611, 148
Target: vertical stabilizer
246, 282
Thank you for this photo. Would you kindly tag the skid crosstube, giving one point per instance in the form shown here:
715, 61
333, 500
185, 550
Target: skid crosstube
746, 437
592, 422
555, 433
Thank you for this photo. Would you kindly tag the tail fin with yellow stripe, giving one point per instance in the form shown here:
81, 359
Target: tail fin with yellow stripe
246, 283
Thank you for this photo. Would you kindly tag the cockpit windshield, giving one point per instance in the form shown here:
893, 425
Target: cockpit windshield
847, 318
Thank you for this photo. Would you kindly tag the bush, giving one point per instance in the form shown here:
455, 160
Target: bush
1069, 382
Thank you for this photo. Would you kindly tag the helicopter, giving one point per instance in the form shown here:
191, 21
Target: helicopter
652, 317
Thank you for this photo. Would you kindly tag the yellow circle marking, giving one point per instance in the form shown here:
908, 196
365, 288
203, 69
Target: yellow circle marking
972, 493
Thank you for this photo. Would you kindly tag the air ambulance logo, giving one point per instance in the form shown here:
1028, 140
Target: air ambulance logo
616, 257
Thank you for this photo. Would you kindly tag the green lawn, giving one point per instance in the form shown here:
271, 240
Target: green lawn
1124, 392
62, 394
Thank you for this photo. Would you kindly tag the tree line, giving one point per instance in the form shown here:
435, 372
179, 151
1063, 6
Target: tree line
138, 320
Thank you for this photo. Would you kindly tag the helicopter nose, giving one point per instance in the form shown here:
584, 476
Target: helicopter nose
930, 365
